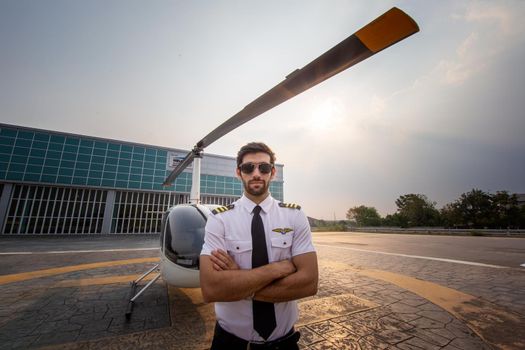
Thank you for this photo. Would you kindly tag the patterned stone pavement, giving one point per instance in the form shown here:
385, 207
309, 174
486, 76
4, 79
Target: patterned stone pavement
505, 287
401, 319
83, 310
37, 312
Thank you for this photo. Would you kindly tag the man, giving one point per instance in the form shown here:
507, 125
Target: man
257, 259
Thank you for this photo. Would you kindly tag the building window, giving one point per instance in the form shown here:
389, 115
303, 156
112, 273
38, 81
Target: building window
55, 210
140, 212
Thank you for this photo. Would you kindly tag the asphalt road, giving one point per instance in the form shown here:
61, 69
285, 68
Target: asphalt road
500, 251
72, 243
35, 253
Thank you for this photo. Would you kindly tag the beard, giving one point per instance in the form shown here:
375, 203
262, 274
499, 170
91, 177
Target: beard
259, 190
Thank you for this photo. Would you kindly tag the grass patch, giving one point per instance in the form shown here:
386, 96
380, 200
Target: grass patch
476, 233
329, 228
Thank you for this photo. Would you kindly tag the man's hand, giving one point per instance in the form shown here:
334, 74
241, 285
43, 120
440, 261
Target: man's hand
284, 267
222, 261
297, 285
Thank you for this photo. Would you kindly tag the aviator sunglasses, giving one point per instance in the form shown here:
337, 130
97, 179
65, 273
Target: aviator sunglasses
248, 168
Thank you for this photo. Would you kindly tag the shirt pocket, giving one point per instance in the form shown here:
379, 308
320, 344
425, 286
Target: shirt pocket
281, 247
241, 251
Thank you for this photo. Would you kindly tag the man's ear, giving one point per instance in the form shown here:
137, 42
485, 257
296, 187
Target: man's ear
238, 173
274, 173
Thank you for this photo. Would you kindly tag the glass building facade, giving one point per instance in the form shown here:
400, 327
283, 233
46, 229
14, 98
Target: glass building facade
59, 183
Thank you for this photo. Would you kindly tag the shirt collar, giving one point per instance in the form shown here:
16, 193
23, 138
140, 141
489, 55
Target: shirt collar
249, 205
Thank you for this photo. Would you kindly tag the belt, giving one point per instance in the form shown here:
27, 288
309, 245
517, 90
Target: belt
289, 339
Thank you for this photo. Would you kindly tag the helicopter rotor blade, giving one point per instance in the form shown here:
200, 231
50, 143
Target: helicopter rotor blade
179, 168
388, 29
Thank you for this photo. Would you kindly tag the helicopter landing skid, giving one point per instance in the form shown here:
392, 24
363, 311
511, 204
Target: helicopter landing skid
133, 296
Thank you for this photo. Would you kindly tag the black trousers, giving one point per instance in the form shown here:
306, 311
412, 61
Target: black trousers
223, 340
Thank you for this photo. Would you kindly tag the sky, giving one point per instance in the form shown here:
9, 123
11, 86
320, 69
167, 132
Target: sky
439, 113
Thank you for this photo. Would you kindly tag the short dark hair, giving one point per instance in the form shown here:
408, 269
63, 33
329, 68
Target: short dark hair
254, 147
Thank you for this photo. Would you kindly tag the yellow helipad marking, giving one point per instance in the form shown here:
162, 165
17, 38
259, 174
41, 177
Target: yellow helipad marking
321, 309
101, 281
494, 324
491, 322
24, 276
78, 251
192, 320
193, 294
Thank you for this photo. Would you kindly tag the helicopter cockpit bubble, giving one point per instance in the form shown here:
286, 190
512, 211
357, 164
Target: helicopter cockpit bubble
184, 234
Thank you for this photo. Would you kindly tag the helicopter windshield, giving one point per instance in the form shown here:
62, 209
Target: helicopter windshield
185, 235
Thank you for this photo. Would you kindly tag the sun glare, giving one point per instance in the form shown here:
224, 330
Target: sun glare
325, 115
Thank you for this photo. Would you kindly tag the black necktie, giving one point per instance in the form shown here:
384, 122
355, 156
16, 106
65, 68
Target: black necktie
263, 312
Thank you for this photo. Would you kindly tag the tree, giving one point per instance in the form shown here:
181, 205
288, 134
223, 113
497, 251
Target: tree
364, 216
478, 209
506, 211
451, 216
473, 209
521, 218
417, 210
395, 220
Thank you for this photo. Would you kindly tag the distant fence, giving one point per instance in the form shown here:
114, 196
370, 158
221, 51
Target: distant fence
436, 230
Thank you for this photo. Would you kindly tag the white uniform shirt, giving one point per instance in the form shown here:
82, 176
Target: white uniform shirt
287, 235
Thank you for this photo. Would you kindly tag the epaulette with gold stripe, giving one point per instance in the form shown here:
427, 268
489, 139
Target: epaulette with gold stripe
289, 205
222, 209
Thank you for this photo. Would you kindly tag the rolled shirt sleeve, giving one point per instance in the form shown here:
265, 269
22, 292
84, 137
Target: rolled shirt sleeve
302, 242
214, 235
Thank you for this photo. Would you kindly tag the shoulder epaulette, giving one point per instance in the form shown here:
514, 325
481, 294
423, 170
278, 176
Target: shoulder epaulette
289, 205
222, 209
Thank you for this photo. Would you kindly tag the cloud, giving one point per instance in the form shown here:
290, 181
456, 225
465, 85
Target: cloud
458, 91
490, 14
468, 62
493, 27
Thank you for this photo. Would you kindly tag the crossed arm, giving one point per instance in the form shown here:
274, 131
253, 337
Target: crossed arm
222, 280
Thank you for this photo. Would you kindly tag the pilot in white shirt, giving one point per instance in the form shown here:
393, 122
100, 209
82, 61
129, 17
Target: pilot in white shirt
287, 272
287, 235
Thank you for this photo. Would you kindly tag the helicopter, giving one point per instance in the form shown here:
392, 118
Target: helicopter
182, 229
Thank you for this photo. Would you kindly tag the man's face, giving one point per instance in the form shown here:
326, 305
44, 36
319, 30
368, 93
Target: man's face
256, 183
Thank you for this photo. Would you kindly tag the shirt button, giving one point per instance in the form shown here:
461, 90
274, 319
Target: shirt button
284, 243
237, 248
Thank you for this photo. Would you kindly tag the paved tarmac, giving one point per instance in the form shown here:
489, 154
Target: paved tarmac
503, 250
53, 298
